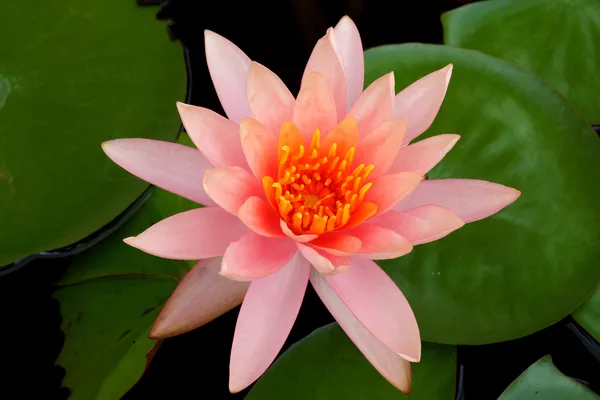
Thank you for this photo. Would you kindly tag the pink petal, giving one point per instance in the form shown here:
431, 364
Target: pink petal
265, 320
379, 243
422, 156
380, 306
390, 365
215, 136
381, 146
260, 217
315, 107
298, 238
255, 256
326, 61
337, 243
350, 52
374, 105
260, 148
419, 103
323, 262
270, 100
170, 166
191, 235
200, 297
228, 67
230, 187
469, 199
389, 190
422, 224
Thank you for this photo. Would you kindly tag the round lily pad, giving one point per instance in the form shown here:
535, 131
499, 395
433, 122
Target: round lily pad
72, 75
326, 365
555, 39
543, 381
534, 262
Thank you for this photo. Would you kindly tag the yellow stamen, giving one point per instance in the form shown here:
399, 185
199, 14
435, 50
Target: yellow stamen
316, 189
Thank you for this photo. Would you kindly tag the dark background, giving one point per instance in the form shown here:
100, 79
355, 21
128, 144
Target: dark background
280, 35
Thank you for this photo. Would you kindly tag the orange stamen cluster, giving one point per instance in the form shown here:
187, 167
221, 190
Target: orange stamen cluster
317, 189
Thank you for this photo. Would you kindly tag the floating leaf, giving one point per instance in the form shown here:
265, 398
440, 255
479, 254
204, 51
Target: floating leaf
557, 40
588, 315
326, 365
543, 381
534, 262
79, 73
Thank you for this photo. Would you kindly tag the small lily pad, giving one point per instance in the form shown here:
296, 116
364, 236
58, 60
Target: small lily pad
543, 381
588, 315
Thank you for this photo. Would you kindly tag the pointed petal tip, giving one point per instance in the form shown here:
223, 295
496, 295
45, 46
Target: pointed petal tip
182, 107
413, 358
130, 240
448, 70
226, 273
346, 19
452, 140
106, 145
159, 330
236, 387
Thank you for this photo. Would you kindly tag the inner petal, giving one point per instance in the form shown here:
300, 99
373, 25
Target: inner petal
317, 187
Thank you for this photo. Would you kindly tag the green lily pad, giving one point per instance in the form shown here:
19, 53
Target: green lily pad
326, 365
79, 73
588, 315
558, 40
534, 262
543, 381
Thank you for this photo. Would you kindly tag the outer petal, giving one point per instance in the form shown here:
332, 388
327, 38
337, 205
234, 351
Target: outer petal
388, 190
191, 235
255, 256
422, 156
419, 103
380, 306
228, 67
374, 105
200, 297
381, 146
470, 199
260, 217
270, 100
422, 224
315, 107
170, 166
379, 243
337, 243
323, 262
390, 365
215, 136
230, 187
266, 318
260, 148
325, 60
350, 52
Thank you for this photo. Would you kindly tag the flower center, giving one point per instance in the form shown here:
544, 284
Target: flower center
317, 188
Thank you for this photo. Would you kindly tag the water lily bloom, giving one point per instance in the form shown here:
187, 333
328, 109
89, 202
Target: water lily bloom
306, 188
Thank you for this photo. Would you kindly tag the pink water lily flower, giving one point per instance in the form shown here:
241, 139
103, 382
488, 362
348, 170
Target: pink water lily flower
307, 188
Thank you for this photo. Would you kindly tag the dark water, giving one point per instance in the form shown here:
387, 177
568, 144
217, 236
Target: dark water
280, 35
